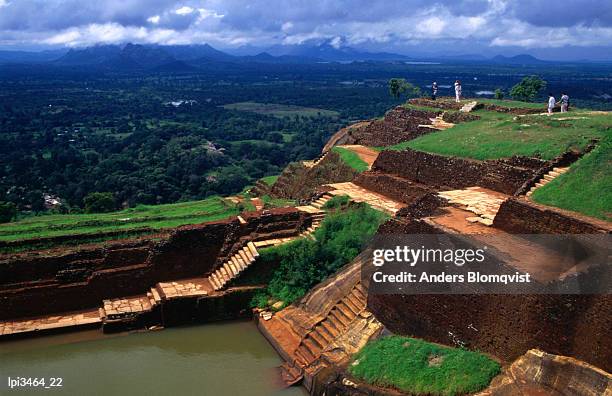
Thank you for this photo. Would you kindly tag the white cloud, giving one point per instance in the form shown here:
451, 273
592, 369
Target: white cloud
154, 19
184, 10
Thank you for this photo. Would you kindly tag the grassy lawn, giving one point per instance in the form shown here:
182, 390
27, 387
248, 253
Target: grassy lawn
280, 110
586, 187
269, 180
351, 159
499, 135
277, 202
420, 367
512, 103
153, 216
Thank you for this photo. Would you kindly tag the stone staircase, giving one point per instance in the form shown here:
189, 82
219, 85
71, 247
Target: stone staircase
324, 333
316, 161
468, 107
547, 178
236, 264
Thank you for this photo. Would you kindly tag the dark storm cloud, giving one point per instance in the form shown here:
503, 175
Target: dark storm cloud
564, 13
392, 24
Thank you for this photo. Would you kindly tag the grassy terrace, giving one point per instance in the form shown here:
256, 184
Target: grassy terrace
499, 135
586, 188
154, 217
419, 367
351, 159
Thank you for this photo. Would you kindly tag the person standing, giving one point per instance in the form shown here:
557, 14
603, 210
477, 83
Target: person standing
551, 103
457, 91
434, 90
564, 102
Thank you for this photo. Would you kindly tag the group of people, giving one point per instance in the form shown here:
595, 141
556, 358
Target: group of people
563, 102
434, 91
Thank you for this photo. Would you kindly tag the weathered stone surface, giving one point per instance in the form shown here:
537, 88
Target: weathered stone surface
520, 216
391, 186
540, 373
441, 172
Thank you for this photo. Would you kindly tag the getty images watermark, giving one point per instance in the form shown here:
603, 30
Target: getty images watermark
488, 264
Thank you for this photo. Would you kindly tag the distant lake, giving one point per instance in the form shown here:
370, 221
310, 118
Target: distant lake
485, 93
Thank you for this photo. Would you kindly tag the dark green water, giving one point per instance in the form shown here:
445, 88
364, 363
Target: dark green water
230, 358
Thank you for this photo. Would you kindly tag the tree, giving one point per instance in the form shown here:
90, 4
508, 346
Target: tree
399, 86
99, 202
499, 94
8, 211
528, 88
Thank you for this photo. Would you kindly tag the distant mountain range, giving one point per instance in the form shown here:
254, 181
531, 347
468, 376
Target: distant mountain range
192, 57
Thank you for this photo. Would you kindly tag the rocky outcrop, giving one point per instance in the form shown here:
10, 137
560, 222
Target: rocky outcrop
540, 373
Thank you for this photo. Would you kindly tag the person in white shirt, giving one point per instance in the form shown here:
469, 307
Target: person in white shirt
457, 91
551, 103
564, 102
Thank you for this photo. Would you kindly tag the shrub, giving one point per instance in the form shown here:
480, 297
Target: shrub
337, 202
306, 262
528, 88
8, 211
99, 202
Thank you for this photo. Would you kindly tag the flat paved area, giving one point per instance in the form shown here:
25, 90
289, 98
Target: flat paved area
360, 194
68, 319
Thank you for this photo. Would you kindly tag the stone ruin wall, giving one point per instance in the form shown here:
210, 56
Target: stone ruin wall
503, 325
442, 172
520, 216
31, 285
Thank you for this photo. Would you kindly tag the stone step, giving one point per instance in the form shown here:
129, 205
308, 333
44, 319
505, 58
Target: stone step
214, 282
233, 268
560, 170
336, 314
242, 262
247, 251
317, 205
244, 257
330, 328
303, 355
359, 292
241, 220
346, 311
312, 347
156, 295
224, 274
253, 249
355, 302
351, 305
237, 264
316, 337
548, 177
333, 320
541, 184
323, 333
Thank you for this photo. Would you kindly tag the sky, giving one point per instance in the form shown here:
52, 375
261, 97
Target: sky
549, 29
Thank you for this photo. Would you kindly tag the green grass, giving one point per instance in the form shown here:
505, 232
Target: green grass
420, 367
351, 159
498, 135
512, 103
277, 202
304, 263
153, 216
280, 110
586, 187
269, 180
